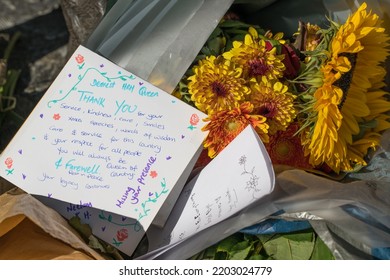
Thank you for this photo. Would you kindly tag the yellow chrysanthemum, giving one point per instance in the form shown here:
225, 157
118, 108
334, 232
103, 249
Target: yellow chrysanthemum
356, 51
269, 35
225, 125
312, 37
307, 38
273, 101
256, 57
217, 85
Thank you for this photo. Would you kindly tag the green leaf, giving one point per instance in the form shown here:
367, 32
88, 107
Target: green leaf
295, 246
234, 24
207, 254
239, 33
259, 257
83, 229
321, 251
265, 237
301, 236
221, 256
11, 45
216, 45
206, 51
241, 250
217, 32
228, 243
94, 243
106, 249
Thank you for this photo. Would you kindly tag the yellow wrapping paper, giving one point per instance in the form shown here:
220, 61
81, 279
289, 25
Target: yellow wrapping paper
31, 231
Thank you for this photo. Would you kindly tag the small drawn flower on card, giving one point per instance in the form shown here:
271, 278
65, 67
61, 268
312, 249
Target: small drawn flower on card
79, 59
122, 234
8, 162
194, 120
56, 116
153, 174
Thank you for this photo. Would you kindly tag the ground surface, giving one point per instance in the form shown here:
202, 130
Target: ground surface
39, 53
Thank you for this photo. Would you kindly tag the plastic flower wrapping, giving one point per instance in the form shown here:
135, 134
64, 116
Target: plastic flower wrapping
316, 98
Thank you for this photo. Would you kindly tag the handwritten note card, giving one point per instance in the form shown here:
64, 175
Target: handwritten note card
241, 174
101, 137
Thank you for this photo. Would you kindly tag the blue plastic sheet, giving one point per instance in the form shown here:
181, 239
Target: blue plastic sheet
274, 226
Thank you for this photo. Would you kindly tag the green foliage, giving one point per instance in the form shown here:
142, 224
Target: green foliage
85, 231
8, 82
302, 245
222, 38
321, 251
294, 246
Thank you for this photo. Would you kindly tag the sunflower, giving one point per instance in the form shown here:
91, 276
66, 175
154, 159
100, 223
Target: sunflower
273, 101
341, 99
375, 123
256, 57
377, 102
225, 125
357, 151
217, 85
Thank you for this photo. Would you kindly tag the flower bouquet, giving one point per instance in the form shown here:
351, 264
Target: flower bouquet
316, 100
309, 99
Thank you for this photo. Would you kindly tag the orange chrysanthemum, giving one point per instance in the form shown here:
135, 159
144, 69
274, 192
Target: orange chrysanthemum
285, 148
225, 125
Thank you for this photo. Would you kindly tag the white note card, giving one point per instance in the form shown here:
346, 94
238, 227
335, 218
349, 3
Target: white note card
241, 174
102, 137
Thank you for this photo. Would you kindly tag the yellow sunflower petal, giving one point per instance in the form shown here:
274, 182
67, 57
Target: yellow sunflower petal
344, 98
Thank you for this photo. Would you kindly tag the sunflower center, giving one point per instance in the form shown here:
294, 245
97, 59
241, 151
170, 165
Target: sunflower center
267, 109
257, 67
219, 89
345, 81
